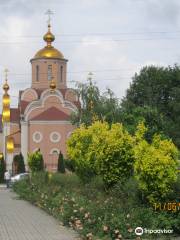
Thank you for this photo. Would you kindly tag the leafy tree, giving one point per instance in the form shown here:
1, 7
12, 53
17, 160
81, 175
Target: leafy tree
156, 91
96, 106
155, 166
61, 165
2, 169
154, 120
103, 150
35, 161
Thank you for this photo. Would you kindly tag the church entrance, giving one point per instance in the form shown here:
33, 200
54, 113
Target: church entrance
53, 161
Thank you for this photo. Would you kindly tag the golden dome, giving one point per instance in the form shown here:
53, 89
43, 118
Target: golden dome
49, 51
49, 37
6, 86
52, 86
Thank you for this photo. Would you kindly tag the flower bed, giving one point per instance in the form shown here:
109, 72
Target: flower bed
92, 211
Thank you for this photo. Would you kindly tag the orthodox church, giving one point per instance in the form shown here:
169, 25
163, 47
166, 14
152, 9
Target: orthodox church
42, 117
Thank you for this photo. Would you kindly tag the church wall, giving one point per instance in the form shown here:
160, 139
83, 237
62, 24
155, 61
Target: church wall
14, 127
46, 142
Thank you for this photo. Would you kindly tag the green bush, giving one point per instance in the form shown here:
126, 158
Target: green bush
70, 180
113, 152
35, 161
102, 150
69, 165
128, 190
78, 151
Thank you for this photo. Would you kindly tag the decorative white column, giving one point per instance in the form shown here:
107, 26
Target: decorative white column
24, 141
6, 132
9, 161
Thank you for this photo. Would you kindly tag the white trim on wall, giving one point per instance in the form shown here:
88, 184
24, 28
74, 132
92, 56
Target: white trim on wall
29, 89
53, 150
41, 103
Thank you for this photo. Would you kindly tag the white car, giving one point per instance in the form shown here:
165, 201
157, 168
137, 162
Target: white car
19, 177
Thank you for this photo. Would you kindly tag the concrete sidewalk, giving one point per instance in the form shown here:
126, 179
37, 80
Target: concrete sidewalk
19, 220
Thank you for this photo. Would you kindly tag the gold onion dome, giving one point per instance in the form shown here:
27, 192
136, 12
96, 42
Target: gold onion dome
49, 51
6, 86
52, 86
49, 37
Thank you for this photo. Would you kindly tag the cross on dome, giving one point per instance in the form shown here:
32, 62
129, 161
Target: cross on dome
6, 73
6, 86
49, 13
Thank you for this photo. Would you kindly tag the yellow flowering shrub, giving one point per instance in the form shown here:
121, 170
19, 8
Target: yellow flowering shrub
155, 165
103, 150
80, 151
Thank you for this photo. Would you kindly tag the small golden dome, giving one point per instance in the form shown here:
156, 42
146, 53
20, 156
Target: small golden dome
52, 86
6, 86
49, 37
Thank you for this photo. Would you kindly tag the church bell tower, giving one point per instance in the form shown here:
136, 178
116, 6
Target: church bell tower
49, 65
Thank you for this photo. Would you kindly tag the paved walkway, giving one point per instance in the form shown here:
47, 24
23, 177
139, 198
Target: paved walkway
19, 220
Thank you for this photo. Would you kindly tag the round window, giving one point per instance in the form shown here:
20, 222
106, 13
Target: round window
55, 137
37, 137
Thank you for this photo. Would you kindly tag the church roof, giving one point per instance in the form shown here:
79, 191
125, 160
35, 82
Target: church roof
52, 114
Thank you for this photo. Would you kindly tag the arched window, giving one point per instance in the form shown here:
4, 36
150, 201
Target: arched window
37, 73
61, 74
54, 151
49, 72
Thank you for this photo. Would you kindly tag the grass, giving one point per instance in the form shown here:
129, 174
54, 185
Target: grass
94, 212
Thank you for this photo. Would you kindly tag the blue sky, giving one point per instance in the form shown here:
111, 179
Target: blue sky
112, 38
